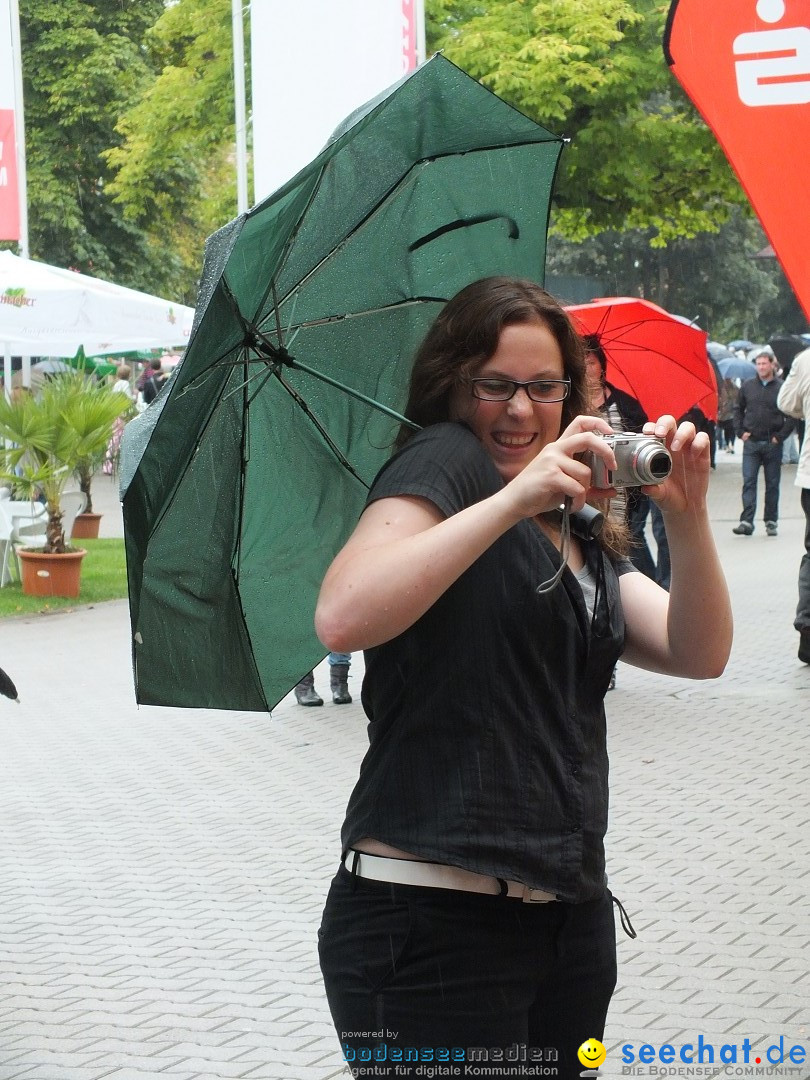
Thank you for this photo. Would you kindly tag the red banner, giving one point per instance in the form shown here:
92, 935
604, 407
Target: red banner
409, 36
745, 64
9, 193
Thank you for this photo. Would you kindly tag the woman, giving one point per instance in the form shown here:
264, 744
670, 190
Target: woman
470, 909
121, 385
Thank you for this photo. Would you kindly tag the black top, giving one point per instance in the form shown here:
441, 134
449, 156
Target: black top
487, 726
756, 411
630, 410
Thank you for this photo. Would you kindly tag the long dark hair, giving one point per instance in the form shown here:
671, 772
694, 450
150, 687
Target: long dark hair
466, 333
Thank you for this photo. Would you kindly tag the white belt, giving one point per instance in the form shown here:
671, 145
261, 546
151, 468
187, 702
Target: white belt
438, 876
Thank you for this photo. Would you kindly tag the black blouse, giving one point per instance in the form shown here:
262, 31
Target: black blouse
486, 719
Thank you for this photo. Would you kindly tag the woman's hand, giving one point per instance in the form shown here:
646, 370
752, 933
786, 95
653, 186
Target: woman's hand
558, 472
687, 484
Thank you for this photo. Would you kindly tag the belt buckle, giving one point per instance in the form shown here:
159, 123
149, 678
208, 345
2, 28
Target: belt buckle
530, 896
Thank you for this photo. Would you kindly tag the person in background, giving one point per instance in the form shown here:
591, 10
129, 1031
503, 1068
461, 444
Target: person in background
763, 428
339, 664
153, 384
729, 392
794, 399
122, 385
624, 413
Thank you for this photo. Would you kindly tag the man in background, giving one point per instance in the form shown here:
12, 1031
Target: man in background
794, 399
762, 428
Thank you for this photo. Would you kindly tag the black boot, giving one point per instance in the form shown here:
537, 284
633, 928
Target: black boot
338, 674
305, 693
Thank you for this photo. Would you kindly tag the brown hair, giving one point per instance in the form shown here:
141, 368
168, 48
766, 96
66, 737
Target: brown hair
466, 333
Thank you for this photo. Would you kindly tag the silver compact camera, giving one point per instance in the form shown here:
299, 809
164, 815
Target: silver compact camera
640, 460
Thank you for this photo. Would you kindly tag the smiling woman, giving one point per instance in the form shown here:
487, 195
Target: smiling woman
470, 907
515, 407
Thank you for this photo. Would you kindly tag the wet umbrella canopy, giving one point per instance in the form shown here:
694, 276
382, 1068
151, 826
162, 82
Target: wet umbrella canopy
244, 479
657, 357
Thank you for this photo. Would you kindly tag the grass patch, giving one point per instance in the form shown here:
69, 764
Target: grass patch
104, 577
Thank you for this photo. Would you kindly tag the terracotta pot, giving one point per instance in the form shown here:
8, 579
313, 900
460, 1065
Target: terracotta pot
50, 575
85, 527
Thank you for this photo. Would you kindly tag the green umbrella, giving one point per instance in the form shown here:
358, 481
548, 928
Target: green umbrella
247, 474
90, 364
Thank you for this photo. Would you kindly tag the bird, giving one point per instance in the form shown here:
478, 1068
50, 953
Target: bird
7, 687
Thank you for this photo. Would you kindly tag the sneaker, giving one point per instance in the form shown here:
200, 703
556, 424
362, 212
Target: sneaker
743, 529
804, 646
770, 528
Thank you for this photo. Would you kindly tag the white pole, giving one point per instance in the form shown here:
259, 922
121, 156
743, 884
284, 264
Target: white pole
22, 186
239, 105
420, 31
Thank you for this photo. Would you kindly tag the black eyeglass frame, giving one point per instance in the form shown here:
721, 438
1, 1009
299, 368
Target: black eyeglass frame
516, 385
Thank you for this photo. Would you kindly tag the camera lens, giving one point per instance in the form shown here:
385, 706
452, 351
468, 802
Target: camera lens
660, 466
653, 464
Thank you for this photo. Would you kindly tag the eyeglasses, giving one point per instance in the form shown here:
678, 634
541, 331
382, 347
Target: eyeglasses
543, 390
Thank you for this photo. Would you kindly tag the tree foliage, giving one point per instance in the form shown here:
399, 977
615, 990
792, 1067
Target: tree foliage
82, 66
174, 164
714, 278
594, 71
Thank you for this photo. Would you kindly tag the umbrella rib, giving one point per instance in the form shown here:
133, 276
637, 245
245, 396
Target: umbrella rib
368, 311
330, 442
282, 356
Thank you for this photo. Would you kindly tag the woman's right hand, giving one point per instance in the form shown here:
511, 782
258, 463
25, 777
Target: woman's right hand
558, 472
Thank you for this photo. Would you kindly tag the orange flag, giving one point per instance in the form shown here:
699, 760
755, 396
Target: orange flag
745, 64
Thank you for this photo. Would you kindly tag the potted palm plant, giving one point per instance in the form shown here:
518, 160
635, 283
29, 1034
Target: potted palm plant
46, 436
93, 417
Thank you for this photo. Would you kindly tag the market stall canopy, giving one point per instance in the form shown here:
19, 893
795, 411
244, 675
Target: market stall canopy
47, 311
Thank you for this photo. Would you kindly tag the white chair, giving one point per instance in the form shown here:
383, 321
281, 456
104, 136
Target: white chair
28, 522
29, 530
73, 504
7, 554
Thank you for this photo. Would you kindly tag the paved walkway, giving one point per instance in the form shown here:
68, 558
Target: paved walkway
163, 871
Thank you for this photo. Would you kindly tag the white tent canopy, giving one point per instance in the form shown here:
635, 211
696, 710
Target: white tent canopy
46, 311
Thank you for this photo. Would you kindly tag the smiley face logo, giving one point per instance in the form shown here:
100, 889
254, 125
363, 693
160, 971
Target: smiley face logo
592, 1053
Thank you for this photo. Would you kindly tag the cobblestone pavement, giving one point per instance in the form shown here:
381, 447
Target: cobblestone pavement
163, 871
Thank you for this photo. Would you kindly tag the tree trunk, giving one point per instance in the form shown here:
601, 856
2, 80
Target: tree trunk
85, 476
54, 534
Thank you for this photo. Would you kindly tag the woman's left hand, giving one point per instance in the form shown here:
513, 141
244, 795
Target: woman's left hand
687, 484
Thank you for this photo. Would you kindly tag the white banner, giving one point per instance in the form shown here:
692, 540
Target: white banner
315, 61
9, 182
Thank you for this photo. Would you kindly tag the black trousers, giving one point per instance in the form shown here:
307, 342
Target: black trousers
463, 980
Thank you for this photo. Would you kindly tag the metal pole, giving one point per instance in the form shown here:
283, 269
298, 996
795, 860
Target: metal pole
420, 31
22, 186
239, 105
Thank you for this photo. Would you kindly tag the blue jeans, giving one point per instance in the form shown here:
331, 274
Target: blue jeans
436, 968
339, 658
768, 456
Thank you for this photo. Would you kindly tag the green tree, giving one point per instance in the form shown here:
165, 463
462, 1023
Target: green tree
82, 67
713, 278
174, 162
594, 71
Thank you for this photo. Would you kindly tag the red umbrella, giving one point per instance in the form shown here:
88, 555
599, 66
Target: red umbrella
658, 358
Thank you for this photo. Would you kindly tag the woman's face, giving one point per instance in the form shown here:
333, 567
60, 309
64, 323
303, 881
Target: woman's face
515, 431
593, 371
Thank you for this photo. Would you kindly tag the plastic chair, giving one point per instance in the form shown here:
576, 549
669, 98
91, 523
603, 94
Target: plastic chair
29, 530
7, 555
28, 522
73, 504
